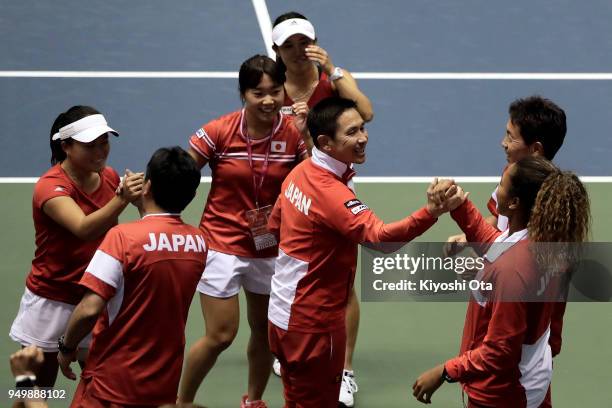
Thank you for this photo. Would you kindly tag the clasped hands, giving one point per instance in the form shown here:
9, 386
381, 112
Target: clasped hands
443, 195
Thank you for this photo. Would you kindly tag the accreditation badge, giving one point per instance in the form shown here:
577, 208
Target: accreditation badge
258, 225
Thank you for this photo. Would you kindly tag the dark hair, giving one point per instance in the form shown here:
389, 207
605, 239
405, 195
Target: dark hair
539, 120
253, 69
277, 21
527, 177
65, 118
174, 178
323, 117
557, 205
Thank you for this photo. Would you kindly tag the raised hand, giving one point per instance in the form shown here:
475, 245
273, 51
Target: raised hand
437, 194
26, 361
300, 109
131, 186
319, 56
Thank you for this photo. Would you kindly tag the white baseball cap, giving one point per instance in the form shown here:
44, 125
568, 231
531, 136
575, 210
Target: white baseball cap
290, 27
85, 130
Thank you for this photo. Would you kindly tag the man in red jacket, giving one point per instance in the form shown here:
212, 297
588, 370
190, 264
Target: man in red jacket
320, 223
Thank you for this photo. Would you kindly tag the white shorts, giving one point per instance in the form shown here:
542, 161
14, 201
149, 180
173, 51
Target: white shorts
225, 274
41, 321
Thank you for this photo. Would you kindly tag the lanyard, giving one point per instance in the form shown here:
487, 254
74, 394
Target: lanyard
264, 170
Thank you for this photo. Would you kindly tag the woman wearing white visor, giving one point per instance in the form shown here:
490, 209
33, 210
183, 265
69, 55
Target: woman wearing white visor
311, 77
311, 74
74, 204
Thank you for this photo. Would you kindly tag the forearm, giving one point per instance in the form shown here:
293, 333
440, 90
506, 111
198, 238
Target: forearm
347, 88
408, 228
96, 224
81, 323
472, 223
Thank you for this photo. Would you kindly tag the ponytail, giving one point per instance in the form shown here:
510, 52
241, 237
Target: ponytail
559, 223
561, 212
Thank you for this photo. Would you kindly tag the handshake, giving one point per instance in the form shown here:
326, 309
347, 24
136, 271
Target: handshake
443, 196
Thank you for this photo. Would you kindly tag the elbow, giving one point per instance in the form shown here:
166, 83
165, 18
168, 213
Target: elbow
367, 115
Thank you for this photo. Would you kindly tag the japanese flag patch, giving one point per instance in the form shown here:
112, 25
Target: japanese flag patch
278, 147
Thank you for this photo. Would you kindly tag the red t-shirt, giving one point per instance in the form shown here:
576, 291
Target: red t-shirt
323, 90
147, 271
61, 257
232, 192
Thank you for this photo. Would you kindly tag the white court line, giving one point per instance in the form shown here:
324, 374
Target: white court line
119, 74
363, 180
541, 76
263, 19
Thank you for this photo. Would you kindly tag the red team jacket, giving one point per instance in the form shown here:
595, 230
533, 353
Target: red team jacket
147, 271
505, 358
320, 222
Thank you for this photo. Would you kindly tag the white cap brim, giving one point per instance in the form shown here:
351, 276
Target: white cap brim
93, 133
86, 129
290, 27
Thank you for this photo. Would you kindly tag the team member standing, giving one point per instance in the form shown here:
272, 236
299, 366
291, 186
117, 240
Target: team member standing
320, 223
74, 204
140, 284
506, 359
250, 152
311, 77
536, 127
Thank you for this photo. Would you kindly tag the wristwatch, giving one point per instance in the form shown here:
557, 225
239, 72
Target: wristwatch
25, 381
62, 347
337, 73
446, 377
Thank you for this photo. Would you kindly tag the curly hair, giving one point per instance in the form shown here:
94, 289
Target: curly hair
559, 222
561, 212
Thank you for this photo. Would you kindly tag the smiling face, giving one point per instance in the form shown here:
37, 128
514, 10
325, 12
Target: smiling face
514, 145
263, 102
351, 138
88, 156
293, 52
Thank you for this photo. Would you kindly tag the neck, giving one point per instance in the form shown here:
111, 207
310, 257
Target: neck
516, 223
256, 128
79, 176
150, 207
303, 78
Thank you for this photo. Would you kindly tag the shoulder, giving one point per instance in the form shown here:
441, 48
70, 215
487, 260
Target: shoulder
53, 183
228, 121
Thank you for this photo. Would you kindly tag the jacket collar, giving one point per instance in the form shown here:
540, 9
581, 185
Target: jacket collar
504, 242
340, 169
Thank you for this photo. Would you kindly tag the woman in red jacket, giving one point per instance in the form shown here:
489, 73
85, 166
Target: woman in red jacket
506, 357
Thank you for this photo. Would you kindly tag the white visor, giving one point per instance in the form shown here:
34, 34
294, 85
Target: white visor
290, 27
85, 130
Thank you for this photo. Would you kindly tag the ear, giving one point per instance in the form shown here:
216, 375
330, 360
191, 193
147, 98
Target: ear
146, 189
514, 204
325, 143
65, 146
537, 149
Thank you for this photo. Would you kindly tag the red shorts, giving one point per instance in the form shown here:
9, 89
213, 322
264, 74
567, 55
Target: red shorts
311, 366
84, 399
